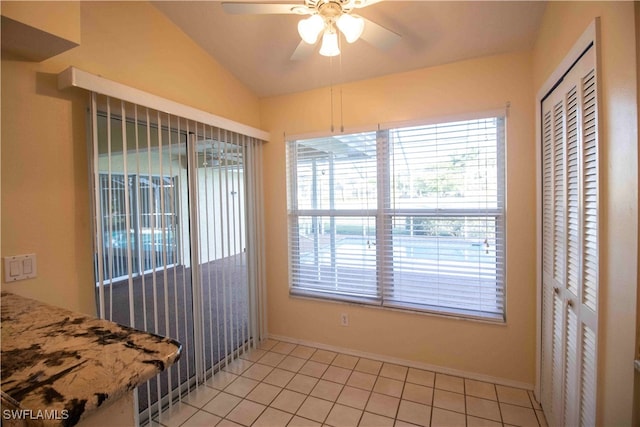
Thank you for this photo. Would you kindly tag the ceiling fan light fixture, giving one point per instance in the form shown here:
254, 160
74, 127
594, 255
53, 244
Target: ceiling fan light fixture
351, 26
310, 28
330, 43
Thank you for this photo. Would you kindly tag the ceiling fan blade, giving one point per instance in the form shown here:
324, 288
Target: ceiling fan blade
379, 36
303, 51
234, 8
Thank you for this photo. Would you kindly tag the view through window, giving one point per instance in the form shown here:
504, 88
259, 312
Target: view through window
408, 217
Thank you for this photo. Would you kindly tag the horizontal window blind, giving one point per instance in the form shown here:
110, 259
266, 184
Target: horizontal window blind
410, 217
332, 229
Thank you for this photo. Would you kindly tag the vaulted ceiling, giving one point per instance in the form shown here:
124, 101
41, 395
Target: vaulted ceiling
257, 49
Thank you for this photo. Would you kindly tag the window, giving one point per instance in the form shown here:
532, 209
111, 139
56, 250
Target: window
152, 218
409, 217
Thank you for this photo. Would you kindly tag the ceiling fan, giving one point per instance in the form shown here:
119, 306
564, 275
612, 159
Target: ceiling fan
328, 18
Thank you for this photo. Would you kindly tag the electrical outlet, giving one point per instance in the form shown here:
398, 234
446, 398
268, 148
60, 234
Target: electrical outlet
344, 319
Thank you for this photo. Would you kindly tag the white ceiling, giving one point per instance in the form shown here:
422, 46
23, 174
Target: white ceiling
257, 48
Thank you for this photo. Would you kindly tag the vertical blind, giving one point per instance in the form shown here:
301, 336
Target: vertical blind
178, 249
409, 217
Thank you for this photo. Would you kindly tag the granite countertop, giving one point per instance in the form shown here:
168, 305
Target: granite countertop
70, 364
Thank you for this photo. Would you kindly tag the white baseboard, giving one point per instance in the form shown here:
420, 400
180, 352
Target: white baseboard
409, 363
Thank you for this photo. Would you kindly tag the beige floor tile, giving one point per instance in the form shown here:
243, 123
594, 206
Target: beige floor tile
327, 390
534, 402
421, 377
388, 386
343, 416
302, 383
238, 366
177, 415
449, 383
368, 366
272, 359
221, 379
335, 389
257, 371
362, 380
288, 401
267, 344
297, 421
542, 420
354, 397
382, 404
481, 422
303, 352
246, 412
264, 393
518, 415
228, 423
345, 361
241, 386
283, 347
279, 377
374, 420
448, 400
253, 355
291, 363
313, 369
222, 404
336, 374
396, 372
400, 423
202, 419
315, 409
513, 396
414, 413
483, 408
200, 396
272, 417
444, 418
418, 393
323, 356
480, 389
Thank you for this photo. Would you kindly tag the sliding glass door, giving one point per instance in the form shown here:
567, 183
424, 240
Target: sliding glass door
177, 226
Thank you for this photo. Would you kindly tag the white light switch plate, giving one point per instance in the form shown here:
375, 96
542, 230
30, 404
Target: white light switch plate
19, 267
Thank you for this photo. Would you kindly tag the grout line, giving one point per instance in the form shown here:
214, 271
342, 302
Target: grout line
495, 389
407, 363
342, 386
464, 396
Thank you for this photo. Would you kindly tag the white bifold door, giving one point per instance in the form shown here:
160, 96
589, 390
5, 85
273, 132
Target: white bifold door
570, 247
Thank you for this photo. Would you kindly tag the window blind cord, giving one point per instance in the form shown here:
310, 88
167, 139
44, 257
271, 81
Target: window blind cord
486, 195
486, 192
341, 83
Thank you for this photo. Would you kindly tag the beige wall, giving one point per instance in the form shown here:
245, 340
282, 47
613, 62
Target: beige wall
45, 189
563, 23
60, 18
500, 351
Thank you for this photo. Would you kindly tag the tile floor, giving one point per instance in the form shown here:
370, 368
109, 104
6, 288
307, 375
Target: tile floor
283, 384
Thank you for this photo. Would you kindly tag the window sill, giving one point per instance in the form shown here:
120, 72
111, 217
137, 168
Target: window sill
497, 319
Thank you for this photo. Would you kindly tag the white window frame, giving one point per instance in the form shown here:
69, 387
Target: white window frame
381, 215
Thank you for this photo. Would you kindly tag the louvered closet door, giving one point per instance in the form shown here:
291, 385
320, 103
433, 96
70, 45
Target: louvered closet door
569, 247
